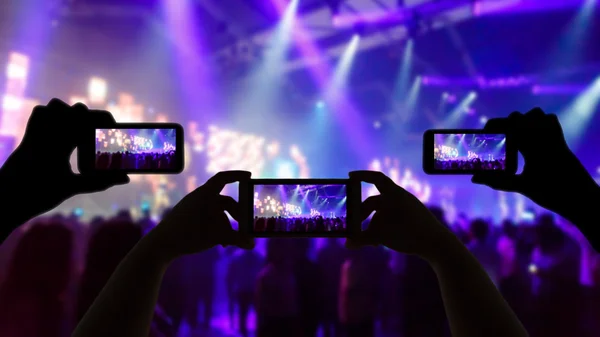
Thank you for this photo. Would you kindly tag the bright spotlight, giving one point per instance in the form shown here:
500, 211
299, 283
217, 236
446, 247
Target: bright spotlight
356, 37
97, 89
483, 119
377, 124
320, 104
473, 94
445, 95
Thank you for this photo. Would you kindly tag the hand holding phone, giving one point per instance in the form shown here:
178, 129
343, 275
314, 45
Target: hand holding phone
134, 148
552, 177
468, 151
38, 173
400, 221
199, 222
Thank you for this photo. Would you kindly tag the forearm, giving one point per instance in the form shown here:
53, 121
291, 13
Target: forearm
585, 216
473, 304
125, 307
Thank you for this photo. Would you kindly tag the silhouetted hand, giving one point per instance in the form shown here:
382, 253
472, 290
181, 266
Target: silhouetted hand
37, 176
199, 222
401, 222
552, 177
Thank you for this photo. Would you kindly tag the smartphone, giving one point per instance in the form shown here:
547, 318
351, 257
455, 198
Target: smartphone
468, 151
133, 148
300, 207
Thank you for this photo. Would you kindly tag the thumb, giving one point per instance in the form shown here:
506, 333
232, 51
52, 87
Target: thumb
91, 183
506, 183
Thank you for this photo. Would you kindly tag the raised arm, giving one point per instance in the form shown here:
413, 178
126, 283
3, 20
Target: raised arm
474, 306
125, 306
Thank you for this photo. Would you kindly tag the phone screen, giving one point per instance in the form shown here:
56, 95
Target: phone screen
469, 152
137, 150
300, 208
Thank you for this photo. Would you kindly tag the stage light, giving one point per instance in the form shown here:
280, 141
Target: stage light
11, 103
320, 104
445, 95
473, 94
97, 90
483, 119
377, 124
16, 71
18, 65
533, 269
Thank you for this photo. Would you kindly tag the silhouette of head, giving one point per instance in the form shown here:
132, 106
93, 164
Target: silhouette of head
42, 259
550, 237
480, 229
278, 251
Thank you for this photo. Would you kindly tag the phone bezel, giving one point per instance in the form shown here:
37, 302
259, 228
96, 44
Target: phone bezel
353, 200
428, 158
86, 150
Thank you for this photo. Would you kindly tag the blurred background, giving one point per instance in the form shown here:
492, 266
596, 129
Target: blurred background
303, 88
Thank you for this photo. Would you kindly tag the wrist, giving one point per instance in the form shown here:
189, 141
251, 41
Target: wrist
584, 206
153, 247
585, 217
445, 245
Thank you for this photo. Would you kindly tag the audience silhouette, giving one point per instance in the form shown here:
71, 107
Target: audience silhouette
33, 297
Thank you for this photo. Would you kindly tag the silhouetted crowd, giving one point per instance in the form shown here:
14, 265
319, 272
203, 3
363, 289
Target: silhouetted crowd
135, 160
473, 164
300, 224
53, 269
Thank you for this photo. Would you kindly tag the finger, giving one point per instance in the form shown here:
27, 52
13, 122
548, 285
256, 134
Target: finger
554, 125
56, 103
506, 183
232, 207
535, 113
100, 118
514, 120
370, 205
91, 183
219, 180
382, 182
496, 124
80, 107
